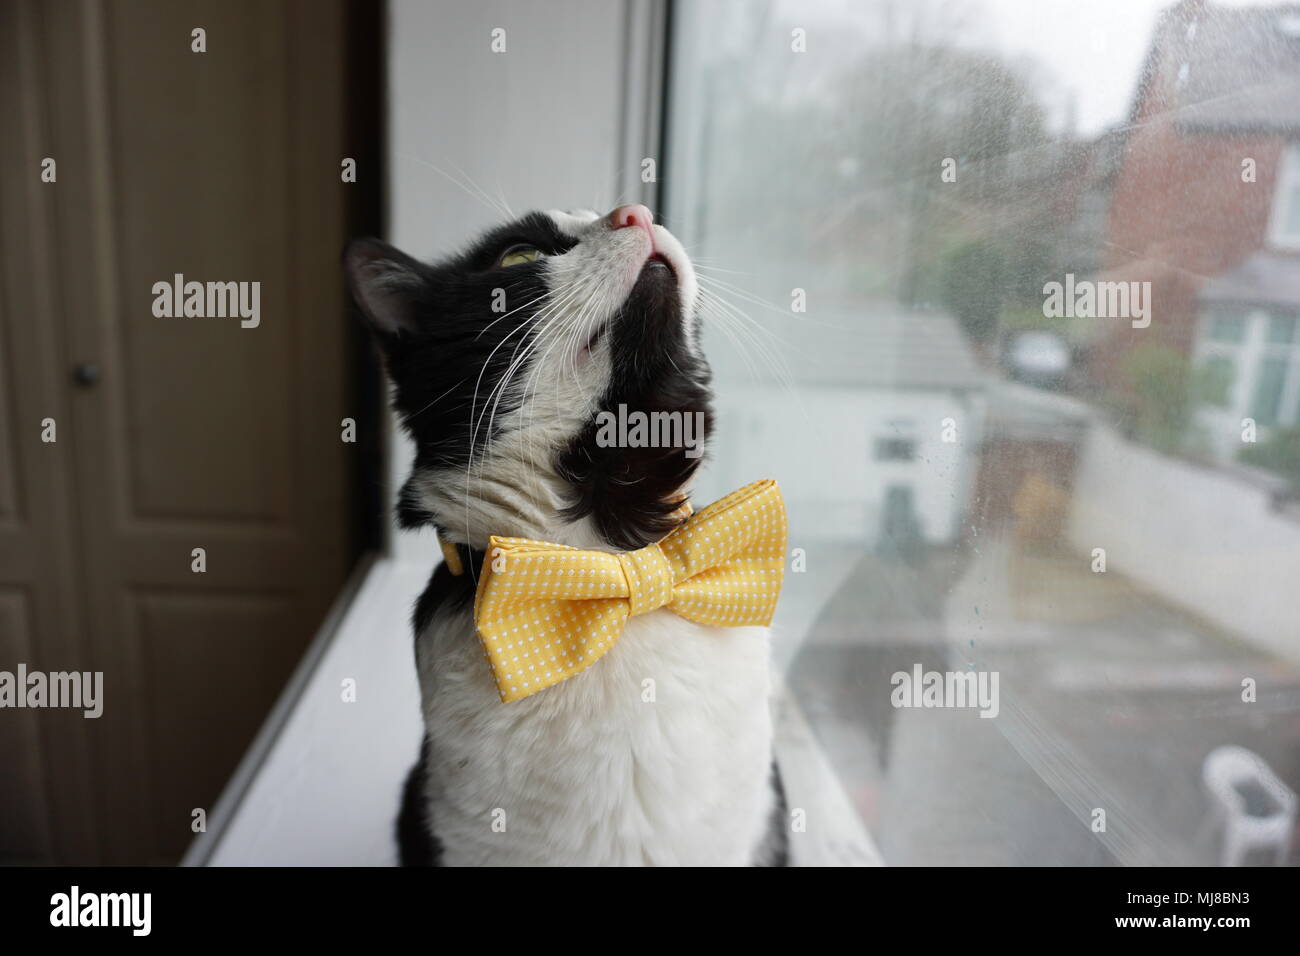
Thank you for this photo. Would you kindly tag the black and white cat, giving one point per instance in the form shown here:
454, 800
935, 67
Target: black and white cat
501, 359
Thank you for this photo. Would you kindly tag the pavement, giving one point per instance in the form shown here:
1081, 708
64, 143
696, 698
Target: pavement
1110, 700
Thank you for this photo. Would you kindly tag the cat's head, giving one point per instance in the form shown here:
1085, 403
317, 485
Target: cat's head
523, 367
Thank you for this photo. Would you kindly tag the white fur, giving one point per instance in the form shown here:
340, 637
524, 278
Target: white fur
588, 772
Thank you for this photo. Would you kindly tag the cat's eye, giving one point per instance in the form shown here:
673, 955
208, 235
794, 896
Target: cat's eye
516, 255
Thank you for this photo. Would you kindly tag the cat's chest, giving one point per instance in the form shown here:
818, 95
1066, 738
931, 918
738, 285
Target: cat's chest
661, 748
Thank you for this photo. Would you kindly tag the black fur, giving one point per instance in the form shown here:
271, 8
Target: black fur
776, 848
443, 346
445, 588
416, 843
632, 493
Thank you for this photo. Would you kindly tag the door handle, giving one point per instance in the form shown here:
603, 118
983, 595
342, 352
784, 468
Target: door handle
86, 374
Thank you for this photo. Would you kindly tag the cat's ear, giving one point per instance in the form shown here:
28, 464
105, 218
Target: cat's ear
385, 284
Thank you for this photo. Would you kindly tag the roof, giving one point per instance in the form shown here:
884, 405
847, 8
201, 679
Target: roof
883, 345
1265, 278
1230, 68
1021, 412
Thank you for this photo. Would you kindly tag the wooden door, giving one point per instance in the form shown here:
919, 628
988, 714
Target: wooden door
188, 529
44, 761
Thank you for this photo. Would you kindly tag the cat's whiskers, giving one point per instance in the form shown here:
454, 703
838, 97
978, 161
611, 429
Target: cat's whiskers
483, 193
745, 341
526, 325
557, 336
728, 317
545, 319
731, 316
566, 335
499, 390
437, 400
783, 311
480, 196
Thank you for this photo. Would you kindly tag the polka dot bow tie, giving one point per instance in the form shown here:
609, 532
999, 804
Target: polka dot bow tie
547, 611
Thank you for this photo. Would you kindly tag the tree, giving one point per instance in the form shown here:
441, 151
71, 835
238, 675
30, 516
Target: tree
1278, 453
974, 286
1154, 396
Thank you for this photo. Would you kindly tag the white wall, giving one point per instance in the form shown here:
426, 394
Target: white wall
1200, 538
540, 126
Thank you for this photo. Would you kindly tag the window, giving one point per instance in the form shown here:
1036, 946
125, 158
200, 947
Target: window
1286, 207
1268, 391
895, 449
1281, 329
1260, 345
876, 219
1228, 328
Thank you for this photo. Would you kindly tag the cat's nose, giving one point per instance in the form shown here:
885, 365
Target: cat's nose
634, 215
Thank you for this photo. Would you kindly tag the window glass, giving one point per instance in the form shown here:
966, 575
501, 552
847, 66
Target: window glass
895, 449
1291, 218
1027, 229
1268, 390
1281, 329
1288, 226
1228, 328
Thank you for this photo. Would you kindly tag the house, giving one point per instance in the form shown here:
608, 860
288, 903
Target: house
1248, 348
1206, 206
883, 431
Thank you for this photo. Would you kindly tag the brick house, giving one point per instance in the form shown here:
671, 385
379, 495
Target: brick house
1206, 204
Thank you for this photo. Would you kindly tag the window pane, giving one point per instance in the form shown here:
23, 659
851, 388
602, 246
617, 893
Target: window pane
1281, 329
1268, 391
895, 449
1031, 643
1291, 217
1228, 328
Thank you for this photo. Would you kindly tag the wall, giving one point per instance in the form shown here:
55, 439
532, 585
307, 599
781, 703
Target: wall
1233, 561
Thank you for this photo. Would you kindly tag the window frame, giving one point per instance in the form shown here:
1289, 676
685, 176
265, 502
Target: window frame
1248, 357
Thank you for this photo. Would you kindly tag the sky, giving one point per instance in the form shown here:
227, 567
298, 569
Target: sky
1091, 49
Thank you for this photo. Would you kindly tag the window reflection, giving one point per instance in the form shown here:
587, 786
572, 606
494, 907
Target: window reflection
1096, 504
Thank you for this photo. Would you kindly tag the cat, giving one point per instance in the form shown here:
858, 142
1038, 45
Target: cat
501, 359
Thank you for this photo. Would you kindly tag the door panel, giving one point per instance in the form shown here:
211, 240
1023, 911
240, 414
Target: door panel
215, 144
45, 763
25, 836
199, 729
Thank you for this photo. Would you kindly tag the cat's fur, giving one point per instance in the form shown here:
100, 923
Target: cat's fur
501, 406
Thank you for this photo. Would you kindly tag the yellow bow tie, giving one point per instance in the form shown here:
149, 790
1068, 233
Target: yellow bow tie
547, 611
